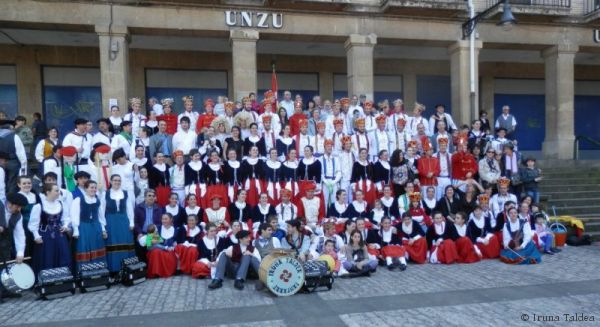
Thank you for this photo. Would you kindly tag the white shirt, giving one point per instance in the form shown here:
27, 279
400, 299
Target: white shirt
514, 227
120, 142
137, 121
18, 234
101, 138
158, 109
39, 149
184, 141
289, 107
126, 172
51, 208
118, 196
192, 115
76, 213
78, 141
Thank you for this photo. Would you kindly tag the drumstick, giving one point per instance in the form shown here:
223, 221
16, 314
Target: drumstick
12, 261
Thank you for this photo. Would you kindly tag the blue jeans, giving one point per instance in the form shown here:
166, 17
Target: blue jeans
534, 194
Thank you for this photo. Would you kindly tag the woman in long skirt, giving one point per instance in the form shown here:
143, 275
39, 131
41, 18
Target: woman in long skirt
518, 244
413, 239
162, 261
117, 209
49, 223
188, 237
441, 236
467, 252
482, 235
88, 227
209, 252
252, 174
215, 178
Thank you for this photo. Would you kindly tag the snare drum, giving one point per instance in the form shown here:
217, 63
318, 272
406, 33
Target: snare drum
282, 274
17, 277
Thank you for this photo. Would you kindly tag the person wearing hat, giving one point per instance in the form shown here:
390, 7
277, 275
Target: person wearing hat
464, 165
16, 164
331, 173
302, 139
286, 210
123, 140
370, 116
238, 259
502, 196
269, 135
501, 139
44, 147
360, 139
347, 159
274, 122
336, 117
68, 167
188, 105
135, 116
379, 139
104, 134
80, 140
337, 134
205, 119
320, 137
168, 116
297, 118
397, 114
428, 165
312, 208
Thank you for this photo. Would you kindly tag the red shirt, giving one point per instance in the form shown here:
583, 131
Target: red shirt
427, 165
171, 120
295, 123
204, 121
462, 164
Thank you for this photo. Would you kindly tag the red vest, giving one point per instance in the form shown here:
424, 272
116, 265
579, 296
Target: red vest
236, 253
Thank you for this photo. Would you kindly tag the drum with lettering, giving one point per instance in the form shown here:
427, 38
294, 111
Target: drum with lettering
281, 273
17, 277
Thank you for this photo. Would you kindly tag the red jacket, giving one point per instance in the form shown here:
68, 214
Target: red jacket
463, 163
427, 165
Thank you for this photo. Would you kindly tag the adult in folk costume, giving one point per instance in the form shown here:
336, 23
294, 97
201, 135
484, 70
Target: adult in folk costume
302, 139
206, 119
319, 139
117, 209
194, 177
216, 214
338, 134
386, 245
232, 175
168, 116
312, 208
208, 253
290, 173
79, 139
269, 134
445, 177
360, 139
382, 172
441, 237
379, 139
309, 172
428, 166
347, 160
49, 224
273, 177
188, 237
297, 119
214, 175
159, 179
252, 174
331, 173
464, 164
397, 115
480, 230
12, 234
518, 244
188, 105
177, 176
362, 174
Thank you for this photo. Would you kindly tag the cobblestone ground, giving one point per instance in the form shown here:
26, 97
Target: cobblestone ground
487, 293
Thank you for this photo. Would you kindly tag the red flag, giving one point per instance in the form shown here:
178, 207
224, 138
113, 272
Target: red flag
274, 87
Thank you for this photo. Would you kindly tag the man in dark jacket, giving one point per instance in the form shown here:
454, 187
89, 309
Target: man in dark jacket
144, 214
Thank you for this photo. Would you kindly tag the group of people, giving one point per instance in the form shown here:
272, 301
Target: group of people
212, 191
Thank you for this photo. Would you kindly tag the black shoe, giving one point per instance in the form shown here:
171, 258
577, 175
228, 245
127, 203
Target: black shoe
402, 267
556, 250
391, 267
374, 270
259, 286
239, 284
9, 295
549, 252
216, 283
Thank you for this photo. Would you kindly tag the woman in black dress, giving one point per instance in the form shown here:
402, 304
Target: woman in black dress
234, 142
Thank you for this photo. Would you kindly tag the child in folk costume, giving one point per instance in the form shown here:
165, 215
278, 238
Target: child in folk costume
382, 172
177, 176
467, 252
518, 241
413, 239
286, 210
412, 159
359, 207
544, 234
285, 142
205, 119
194, 177
417, 212
387, 245
309, 172
252, 174
362, 174
188, 105
312, 208
208, 254
160, 179
290, 173
216, 213
176, 210
441, 237
377, 214
270, 127
273, 177
261, 212
388, 202
188, 237
239, 211
403, 202
480, 230
162, 262
338, 211
232, 175
214, 175
428, 166
501, 220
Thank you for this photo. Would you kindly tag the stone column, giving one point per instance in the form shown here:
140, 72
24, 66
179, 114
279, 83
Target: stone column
560, 110
114, 65
29, 83
359, 57
326, 85
460, 81
487, 96
243, 53
409, 90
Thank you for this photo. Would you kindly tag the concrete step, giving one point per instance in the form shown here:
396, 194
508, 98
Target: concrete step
544, 187
569, 181
592, 226
573, 201
578, 210
569, 173
554, 195
594, 235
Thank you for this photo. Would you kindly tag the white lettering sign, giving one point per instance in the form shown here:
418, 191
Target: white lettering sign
597, 35
250, 19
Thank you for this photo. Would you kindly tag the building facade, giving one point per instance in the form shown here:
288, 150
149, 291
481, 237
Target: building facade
75, 58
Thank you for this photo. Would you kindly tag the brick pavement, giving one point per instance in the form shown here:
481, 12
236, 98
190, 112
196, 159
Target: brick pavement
186, 298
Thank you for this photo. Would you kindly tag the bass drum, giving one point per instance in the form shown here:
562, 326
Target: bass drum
17, 277
282, 274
